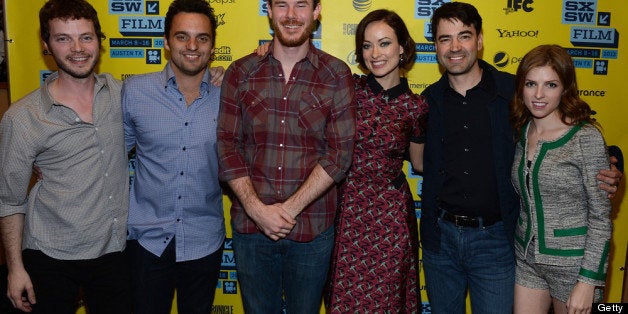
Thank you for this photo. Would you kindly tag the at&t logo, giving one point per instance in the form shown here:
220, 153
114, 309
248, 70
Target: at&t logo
362, 5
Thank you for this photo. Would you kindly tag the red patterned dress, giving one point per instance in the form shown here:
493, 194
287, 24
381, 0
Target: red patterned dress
375, 260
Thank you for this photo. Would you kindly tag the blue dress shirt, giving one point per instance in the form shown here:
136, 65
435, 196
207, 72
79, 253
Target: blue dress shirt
175, 192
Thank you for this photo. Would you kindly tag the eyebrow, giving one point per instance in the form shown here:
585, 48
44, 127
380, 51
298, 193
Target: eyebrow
465, 32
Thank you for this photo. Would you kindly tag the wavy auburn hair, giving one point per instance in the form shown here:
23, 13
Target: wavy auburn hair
572, 109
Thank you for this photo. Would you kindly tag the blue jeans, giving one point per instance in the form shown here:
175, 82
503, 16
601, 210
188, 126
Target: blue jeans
154, 279
479, 259
270, 272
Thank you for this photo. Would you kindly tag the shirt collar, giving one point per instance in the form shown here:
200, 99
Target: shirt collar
168, 77
312, 54
393, 92
486, 83
48, 100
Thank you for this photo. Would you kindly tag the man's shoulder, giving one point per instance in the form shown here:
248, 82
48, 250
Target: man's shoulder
142, 79
332, 62
31, 102
501, 78
436, 87
110, 80
246, 62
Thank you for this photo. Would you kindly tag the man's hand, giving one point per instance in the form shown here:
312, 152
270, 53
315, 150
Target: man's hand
262, 49
581, 298
610, 179
273, 221
19, 283
216, 75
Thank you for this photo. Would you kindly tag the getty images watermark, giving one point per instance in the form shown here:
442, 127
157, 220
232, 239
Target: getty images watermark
609, 308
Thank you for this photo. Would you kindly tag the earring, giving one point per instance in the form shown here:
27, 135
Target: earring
401, 58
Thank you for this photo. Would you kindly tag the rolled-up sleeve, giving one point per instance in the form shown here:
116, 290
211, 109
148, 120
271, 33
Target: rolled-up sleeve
229, 132
16, 167
340, 130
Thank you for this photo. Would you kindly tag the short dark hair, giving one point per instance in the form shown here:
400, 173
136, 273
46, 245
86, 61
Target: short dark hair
395, 22
270, 2
67, 10
191, 6
464, 12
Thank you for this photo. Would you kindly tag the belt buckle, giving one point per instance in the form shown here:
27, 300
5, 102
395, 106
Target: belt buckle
458, 220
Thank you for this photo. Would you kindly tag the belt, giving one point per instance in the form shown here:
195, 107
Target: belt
468, 221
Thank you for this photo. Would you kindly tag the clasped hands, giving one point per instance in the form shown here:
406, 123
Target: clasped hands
276, 221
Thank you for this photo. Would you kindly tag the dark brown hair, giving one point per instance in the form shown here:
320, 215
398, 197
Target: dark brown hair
463, 12
191, 6
395, 22
67, 10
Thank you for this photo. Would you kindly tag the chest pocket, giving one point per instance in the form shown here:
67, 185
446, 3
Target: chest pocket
313, 112
256, 109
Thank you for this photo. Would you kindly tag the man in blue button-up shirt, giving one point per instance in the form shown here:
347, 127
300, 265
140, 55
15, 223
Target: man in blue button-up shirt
176, 222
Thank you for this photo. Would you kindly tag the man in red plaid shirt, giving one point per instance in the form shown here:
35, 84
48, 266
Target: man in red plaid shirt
285, 139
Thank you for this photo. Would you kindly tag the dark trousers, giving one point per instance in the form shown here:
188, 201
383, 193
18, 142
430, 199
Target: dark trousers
103, 280
154, 279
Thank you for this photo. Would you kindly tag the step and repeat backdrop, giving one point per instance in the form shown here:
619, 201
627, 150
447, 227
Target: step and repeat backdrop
588, 29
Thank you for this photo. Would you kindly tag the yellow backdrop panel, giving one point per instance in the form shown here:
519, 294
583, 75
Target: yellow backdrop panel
590, 29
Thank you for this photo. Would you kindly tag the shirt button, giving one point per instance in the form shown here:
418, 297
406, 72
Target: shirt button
106, 174
181, 173
280, 145
285, 98
186, 124
77, 119
464, 102
179, 197
115, 219
96, 128
466, 127
283, 121
178, 219
279, 168
102, 151
466, 172
110, 196
183, 148
466, 150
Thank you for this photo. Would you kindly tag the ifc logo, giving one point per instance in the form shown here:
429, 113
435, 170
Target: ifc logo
362, 5
501, 59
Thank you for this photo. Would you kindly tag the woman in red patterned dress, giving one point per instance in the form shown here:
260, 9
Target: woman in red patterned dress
375, 260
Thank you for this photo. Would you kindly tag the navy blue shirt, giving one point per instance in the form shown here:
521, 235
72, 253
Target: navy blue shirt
502, 144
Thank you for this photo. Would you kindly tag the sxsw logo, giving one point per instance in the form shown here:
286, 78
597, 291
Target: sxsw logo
423, 9
579, 12
516, 5
126, 7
